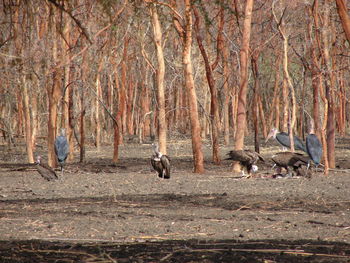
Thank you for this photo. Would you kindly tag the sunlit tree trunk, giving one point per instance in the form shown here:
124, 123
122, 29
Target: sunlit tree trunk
191, 92
162, 127
242, 97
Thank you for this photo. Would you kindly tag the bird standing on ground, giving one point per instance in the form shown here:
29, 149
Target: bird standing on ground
288, 160
61, 148
160, 162
283, 139
313, 145
247, 158
45, 171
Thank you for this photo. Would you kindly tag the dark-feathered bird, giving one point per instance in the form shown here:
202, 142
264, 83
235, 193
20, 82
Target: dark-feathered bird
283, 139
290, 160
45, 171
160, 162
247, 158
313, 146
61, 148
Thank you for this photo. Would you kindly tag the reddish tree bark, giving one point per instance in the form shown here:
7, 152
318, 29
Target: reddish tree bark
191, 92
344, 17
214, 111
242, 97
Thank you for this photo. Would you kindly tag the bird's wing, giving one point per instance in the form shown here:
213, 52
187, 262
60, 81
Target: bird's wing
283, 138
314, 148
46, 172
298, 144
255, 155
61, 148
166, 165
238, 155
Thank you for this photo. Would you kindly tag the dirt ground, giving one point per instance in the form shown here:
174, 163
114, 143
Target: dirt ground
101, 212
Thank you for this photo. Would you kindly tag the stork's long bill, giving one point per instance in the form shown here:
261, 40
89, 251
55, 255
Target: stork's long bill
272, 133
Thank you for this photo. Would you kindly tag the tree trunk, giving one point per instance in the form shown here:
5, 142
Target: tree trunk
84, 68
97, 105
255, 109
67, 104
117, 126
54, 94
329, 87
122, 90
157, 32
191, 92
344, 17
27, 121
242, 97
214, 111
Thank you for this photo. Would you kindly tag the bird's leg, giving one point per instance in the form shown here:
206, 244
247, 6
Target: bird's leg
308, 165
62, 171
289, 173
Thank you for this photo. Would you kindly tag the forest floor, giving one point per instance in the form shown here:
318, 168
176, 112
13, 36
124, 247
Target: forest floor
102, 212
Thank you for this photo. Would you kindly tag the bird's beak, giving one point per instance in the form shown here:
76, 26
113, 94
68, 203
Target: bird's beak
268, 137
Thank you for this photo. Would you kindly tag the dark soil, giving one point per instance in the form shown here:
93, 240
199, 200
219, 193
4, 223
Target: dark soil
105, 212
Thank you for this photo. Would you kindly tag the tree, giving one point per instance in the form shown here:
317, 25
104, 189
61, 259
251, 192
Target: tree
157, 31
243, 86
214, 111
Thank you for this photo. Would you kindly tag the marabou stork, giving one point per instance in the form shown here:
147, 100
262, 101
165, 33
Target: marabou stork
160, 162
290, 160
283, 139
61, 148
313, 145
247, 158
45, 171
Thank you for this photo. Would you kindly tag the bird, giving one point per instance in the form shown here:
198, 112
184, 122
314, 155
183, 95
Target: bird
61, 148
313, 146
160, 162
290, 160
45, 171
247, 158
283, 139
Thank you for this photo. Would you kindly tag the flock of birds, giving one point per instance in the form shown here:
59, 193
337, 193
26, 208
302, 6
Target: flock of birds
247, 158
285, 159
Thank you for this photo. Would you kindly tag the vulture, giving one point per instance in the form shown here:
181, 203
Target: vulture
313, 146
283, 139
290, 160
45, 171
247, 158
61, 148
160, 162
